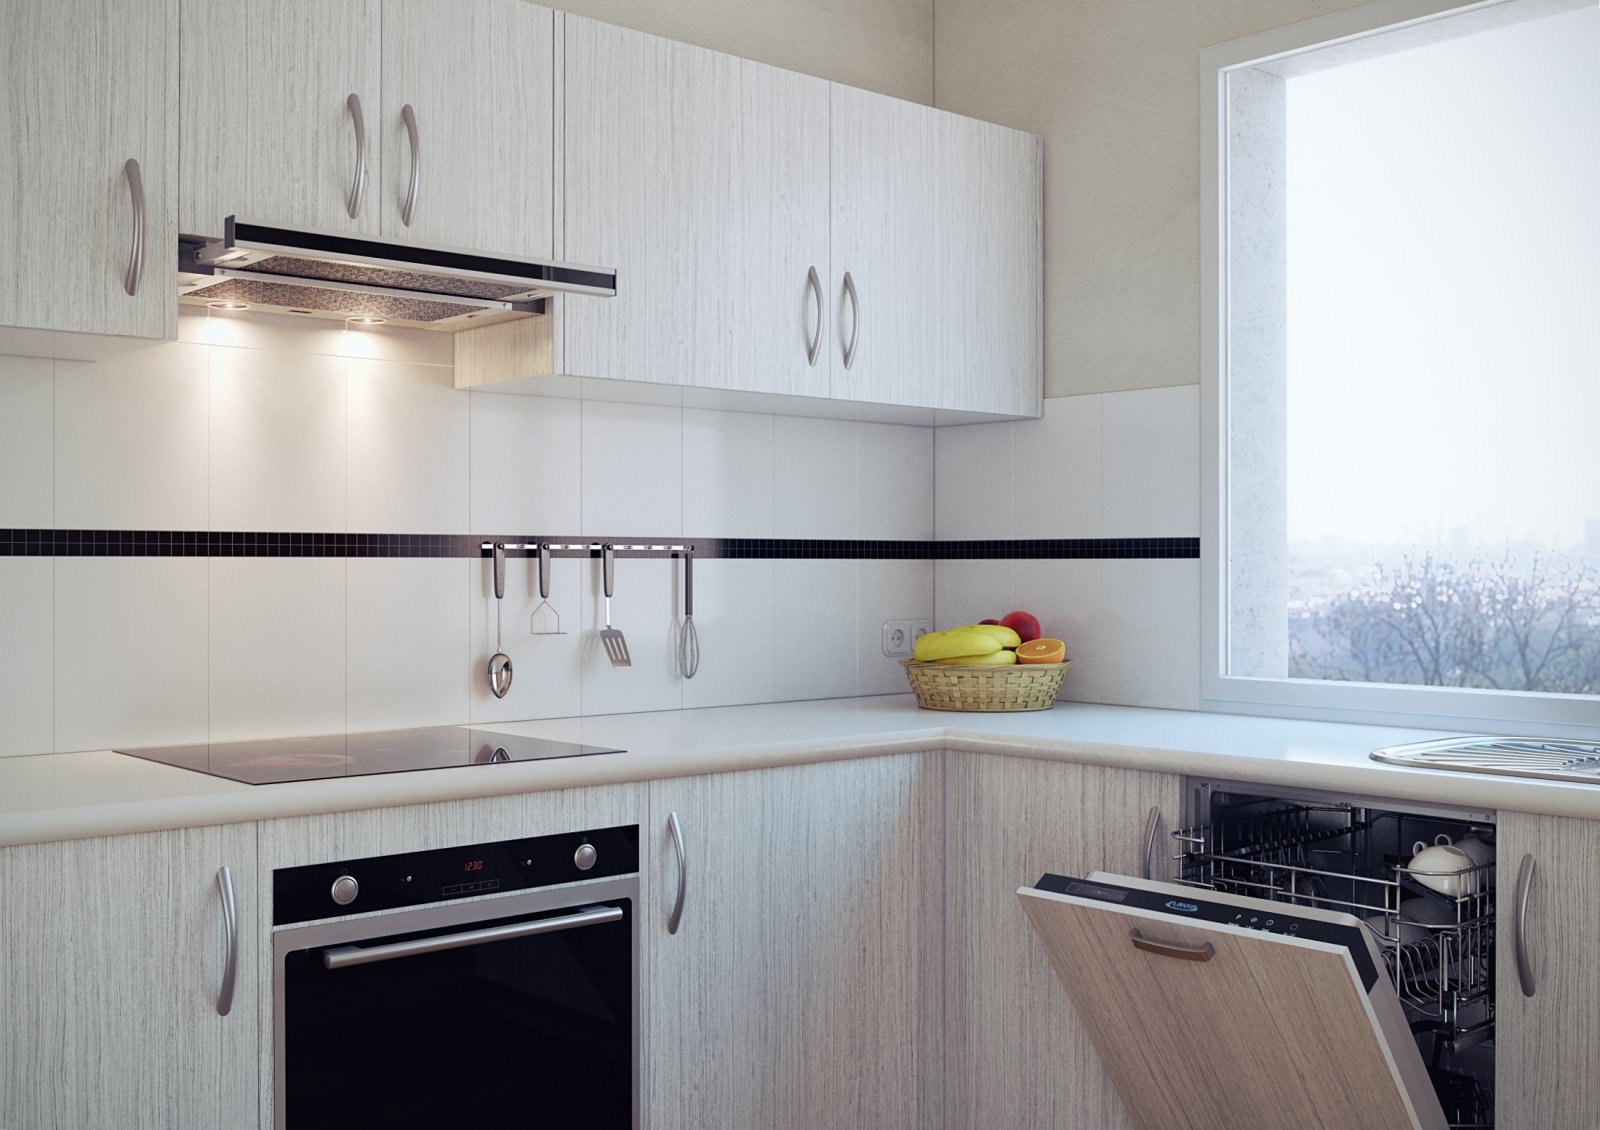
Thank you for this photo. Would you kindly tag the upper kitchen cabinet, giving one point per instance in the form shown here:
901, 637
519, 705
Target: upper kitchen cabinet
87, 205
467, 125
279, 116
703, 179
937, 258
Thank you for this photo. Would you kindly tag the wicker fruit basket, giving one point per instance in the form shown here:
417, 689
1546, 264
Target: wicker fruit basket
957, 686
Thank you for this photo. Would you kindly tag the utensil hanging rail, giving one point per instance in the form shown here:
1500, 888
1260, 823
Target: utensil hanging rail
587, 548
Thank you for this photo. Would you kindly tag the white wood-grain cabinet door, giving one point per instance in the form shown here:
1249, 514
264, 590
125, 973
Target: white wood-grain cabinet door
1547, 1045
703, 179
111, 960
84, 89
1015, 1052
267, 130
479, 78
801, 989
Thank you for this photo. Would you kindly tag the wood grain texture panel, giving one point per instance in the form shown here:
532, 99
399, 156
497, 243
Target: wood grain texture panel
1016, 1054
363, 834
85, 86
802, 988
703, 179
264, 132
110, 958
479, 75
1267, 1033
505, 351
1546, 1045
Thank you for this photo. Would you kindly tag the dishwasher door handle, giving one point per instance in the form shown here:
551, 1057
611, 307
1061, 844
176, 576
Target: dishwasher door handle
1201, 952
342, 957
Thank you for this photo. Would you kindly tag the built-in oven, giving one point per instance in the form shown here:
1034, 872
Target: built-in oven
478, 987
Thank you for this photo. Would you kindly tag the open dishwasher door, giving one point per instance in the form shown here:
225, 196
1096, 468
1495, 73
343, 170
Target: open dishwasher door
1224, 1012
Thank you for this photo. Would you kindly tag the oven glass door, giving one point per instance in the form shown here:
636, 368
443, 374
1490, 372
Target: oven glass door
525, 1031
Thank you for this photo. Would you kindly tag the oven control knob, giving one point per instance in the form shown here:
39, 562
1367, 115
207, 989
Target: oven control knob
585, 856
345, 890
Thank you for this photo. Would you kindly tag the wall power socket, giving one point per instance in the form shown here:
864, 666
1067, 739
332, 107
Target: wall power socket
899, 635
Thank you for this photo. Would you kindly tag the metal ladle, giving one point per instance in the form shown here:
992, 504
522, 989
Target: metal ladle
499, 669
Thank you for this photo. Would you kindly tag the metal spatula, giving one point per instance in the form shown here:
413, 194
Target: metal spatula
616, 646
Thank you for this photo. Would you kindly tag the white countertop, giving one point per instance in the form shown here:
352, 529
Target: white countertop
64, 796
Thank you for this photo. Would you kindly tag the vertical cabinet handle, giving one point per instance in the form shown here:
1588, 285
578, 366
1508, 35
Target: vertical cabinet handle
1519, 927
855, 319
230, 922
1152, 824
358, 183
814, 346
135, 272
676, 915
410, 118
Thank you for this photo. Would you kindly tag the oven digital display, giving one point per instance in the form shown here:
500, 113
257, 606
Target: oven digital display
473, 865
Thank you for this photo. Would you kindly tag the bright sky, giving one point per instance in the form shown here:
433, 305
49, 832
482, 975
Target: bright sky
1444, 305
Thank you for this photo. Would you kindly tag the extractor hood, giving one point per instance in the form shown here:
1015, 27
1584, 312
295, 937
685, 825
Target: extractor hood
368, 281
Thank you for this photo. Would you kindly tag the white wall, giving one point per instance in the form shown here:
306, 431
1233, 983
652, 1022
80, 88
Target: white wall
266, 426
1114, 88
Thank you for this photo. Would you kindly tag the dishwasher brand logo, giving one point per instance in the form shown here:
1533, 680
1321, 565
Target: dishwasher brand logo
1186, 907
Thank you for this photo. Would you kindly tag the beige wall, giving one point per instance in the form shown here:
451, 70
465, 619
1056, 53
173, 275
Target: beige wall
882, 45
1114, 87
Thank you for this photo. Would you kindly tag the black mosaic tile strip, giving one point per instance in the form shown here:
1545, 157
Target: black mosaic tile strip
230, 543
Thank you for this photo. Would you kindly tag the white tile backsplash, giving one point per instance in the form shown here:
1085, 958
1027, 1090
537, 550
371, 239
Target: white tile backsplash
888, 590
131, 651
632, 462
27, 650
407, 449
815, 477
546, 671
1151, 463
896, 491
27, 407
733, 617
277, 647
727, 474
1056, 461
965, 592
406, 638
1142, 647
644, 607
278, 450
525, 464
972, 481
130, 440
816, 650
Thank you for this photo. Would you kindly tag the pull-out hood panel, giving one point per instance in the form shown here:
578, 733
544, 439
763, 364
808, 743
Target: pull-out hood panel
343, 277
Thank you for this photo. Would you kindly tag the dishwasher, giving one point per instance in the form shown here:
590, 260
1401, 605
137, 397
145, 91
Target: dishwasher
1320, 960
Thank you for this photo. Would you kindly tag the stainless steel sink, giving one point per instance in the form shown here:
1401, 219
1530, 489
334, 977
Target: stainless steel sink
1549, 759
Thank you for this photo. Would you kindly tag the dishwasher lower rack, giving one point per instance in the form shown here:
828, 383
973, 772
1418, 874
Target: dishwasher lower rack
1439, 950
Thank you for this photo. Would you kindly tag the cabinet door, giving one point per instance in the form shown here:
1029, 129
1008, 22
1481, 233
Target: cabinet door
703, 179
1546, 1045
84, 89
937, 221
802, 987
111, 956
266, 129
1015, 1052
479, 78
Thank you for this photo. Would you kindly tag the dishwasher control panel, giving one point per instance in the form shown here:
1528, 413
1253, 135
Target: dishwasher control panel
361, 886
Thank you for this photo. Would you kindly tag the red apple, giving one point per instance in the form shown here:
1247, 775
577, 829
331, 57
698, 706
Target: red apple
988, 621
1025, 624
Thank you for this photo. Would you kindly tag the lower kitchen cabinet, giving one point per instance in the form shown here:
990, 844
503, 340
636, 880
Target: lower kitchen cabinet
1547, 1044
112, 954
801, 988
1016, 1054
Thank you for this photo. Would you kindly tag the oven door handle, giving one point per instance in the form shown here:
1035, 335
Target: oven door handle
341, 957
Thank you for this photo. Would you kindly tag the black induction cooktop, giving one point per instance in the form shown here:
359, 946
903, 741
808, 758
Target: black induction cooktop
355, 755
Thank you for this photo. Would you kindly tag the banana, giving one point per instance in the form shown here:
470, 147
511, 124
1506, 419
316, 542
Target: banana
952, 644
1002, 658
1006, 636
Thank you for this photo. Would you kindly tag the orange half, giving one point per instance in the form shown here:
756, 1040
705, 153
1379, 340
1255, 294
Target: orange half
1042, 651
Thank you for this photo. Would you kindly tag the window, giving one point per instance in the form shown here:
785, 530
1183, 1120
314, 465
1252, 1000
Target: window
1402, 293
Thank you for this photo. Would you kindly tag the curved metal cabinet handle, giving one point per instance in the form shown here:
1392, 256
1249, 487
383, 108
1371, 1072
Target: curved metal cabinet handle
230, 921
1152, 824
676, 915
855, 319
1519, 927
1202, 952
358, 183
814, 346
135, 272
409, 116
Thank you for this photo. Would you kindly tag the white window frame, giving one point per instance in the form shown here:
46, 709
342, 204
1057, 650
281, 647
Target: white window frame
1450, 708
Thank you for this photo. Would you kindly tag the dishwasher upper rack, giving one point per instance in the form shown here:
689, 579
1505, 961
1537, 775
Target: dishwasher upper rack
1443, 968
